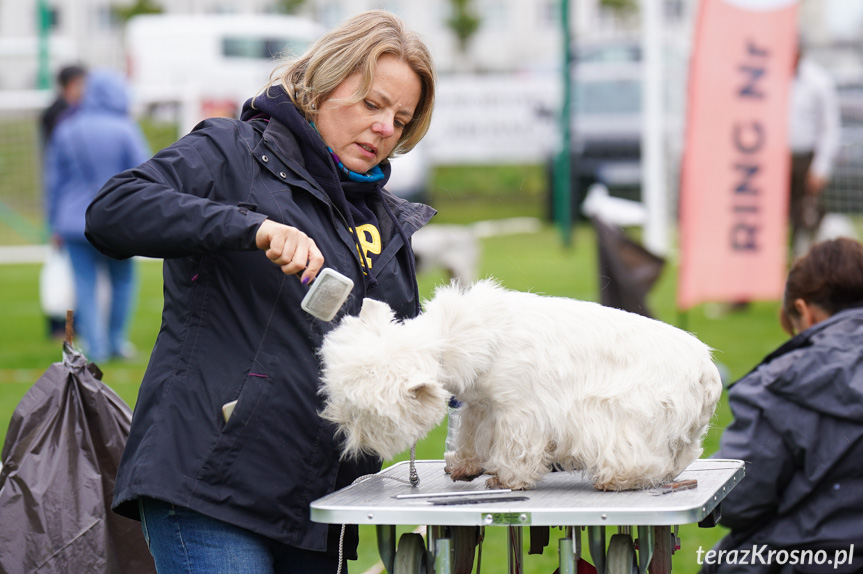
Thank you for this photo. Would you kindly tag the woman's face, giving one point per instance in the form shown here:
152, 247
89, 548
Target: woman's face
365, 133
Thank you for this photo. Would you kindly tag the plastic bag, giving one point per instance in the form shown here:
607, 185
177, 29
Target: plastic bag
56, 283
59, 463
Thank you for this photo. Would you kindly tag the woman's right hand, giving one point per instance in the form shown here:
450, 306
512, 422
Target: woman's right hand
291, 249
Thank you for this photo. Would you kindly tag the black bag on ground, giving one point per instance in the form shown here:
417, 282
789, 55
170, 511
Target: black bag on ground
60, 460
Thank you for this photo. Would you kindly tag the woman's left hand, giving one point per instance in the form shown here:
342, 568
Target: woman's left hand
291, 249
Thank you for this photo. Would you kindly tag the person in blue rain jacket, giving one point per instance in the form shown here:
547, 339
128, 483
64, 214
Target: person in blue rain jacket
85, 151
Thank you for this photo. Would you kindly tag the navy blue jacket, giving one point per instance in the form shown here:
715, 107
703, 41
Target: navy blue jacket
232, 327
798, 424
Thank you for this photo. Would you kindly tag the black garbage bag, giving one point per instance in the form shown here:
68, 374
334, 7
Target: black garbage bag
59, 461
627, 271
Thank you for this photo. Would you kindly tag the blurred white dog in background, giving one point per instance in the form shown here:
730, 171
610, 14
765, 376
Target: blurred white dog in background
456, 248
543, 381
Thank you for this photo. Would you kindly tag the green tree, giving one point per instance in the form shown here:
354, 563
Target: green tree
289, 6
124, 13
464, 22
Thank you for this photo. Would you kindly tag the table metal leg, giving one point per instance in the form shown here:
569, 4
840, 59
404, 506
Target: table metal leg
433, 533
645, 547
596, 544
569, 550
655, 546
575, 534
516, 550
568, 561
387, 544
664, 543
443, 556
464, 544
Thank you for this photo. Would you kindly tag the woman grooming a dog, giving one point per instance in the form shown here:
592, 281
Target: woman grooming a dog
245, 214
798, 423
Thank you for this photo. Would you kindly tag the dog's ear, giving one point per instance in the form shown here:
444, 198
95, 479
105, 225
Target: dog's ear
376, 312
426, 404
428, 391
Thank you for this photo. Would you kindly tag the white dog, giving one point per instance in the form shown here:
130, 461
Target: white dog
543, 381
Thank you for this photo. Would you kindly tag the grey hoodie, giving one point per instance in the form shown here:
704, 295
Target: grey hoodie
798, 424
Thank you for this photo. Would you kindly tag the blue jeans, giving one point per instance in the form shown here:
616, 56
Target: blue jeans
102, 338
182, 540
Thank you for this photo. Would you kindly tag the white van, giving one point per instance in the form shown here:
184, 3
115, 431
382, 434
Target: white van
219, 59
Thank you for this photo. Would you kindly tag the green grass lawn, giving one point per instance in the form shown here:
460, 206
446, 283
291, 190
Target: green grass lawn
535, 262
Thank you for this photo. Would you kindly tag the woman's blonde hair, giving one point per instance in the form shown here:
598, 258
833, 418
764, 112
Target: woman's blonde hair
355, 46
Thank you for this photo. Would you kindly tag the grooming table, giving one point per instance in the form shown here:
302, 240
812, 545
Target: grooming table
565, 499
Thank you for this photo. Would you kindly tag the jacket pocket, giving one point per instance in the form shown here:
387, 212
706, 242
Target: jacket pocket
240, 426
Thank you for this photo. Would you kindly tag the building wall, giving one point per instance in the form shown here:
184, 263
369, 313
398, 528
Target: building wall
514, 35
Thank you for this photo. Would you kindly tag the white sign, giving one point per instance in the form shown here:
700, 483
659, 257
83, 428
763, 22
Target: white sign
493, 119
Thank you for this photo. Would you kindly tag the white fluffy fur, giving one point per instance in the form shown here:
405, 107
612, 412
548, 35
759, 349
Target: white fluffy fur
544, 380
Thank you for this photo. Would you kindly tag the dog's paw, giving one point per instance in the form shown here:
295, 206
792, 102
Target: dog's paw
613, 486
494, 483
463, 474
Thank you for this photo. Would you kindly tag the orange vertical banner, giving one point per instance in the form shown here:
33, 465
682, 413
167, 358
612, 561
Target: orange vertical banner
735, 170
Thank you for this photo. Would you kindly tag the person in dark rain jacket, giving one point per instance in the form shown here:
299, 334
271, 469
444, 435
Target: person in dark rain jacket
245, 214
798, 424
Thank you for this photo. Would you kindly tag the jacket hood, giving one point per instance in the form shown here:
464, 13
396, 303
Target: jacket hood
821, 369
105, 90
275, 103
350, 197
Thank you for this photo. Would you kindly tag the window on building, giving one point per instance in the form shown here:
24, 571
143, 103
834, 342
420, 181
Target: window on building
53, 15
549, 13
105, 18
329, 14
492, 14
674, 9
606, 96
252, 47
